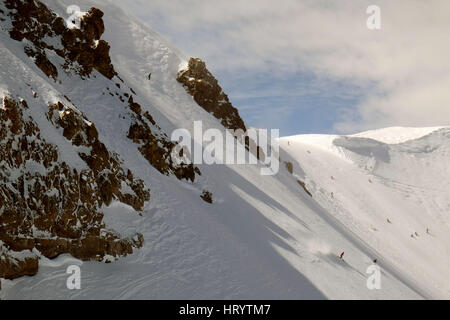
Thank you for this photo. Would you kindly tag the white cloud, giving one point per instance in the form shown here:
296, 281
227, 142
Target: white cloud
404, 67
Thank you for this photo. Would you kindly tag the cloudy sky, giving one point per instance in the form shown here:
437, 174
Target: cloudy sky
313, 66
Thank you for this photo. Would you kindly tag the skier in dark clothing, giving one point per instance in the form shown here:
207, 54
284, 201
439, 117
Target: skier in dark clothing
341, 255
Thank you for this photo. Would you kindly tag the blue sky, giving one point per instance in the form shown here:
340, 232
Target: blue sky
295, 103
313, 66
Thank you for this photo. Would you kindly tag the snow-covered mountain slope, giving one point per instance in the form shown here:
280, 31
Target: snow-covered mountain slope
390, 187
56, 171
394, 135
263, 236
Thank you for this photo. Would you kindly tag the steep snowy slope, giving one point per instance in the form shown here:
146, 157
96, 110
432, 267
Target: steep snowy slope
391, 187
262, 237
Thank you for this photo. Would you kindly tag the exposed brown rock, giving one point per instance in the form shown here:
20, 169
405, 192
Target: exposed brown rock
206, 196
104, 165
17, 264
208, 94
156, 149
205, 90
303, 185
54, 208
42, 63
33, 21
289, 167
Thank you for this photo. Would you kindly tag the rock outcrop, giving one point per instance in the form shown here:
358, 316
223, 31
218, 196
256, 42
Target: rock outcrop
206, 196
46, 204
157, 149
290, 168
205, 90
82, 49
15, 264
110, 176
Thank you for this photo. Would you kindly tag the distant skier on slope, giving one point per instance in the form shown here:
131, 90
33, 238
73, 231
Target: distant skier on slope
149, 76
341, 255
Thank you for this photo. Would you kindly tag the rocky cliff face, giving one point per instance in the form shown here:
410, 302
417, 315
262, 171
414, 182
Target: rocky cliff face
82, 50
156, 149
48, 206
205, 90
